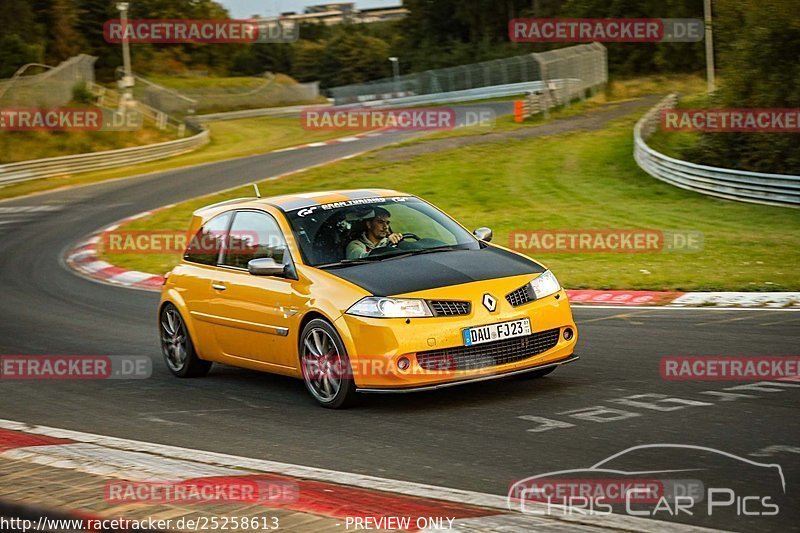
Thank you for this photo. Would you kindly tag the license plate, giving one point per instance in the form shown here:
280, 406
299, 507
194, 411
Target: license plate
496, 332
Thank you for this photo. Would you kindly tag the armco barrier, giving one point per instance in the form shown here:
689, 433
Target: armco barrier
71, 164
286, 111
743, 186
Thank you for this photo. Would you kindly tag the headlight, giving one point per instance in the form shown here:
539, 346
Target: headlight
545, 285
376, 307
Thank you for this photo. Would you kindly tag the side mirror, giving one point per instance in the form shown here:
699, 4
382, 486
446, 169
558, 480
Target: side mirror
265, 266
483, 234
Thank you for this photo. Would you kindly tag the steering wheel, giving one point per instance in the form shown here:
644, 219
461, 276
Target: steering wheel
405, 236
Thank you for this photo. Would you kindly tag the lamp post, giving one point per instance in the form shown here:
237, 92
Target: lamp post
126, 82
709, 47
396, 70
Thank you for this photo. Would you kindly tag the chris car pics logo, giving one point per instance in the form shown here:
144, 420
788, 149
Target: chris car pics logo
657, 481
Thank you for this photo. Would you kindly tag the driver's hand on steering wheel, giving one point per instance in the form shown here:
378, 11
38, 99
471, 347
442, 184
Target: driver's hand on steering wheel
394, 238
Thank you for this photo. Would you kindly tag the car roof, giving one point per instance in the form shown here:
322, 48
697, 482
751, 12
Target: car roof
291, 202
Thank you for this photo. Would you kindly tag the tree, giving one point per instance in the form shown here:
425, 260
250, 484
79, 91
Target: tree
63, 40
758, 50
92, 15
349, 56
20, 38
14, 53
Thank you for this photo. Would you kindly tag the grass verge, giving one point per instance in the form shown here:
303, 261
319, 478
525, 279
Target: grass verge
675, 143
26, 145
231, 138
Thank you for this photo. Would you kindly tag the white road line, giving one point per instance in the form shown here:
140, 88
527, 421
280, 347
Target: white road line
159, 452
82, 255
29, 208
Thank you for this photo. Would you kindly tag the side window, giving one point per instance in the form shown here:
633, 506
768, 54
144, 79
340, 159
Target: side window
253, 236
206, 244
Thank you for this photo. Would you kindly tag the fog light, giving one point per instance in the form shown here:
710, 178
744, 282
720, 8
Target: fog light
568, 334
403, 363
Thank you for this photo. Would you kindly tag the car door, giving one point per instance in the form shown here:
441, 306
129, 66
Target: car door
253, 313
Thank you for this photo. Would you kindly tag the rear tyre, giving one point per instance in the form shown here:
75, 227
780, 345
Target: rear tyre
177, 347
325, 365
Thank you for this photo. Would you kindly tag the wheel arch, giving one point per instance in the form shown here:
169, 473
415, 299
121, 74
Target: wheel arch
174, 298
308, 317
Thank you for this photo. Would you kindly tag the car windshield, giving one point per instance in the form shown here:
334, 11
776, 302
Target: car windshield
357, 231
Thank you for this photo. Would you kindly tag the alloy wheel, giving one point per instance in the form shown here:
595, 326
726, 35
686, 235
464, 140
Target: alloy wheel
322, 365
174, 339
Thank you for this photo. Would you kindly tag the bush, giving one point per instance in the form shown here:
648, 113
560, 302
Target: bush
81, 94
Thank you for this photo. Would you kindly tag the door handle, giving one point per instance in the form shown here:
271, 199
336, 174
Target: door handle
218, 286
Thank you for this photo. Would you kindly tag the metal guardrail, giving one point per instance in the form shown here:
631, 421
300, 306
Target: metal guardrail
480, 93
739, 185
287, 111
71, 164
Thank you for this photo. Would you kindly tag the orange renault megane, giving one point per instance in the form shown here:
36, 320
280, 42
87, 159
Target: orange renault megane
358, 291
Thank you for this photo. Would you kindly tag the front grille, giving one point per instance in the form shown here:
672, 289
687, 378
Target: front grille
490, 353
520, 296
449, 307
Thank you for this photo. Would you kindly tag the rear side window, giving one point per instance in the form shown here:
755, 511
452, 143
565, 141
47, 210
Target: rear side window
206, 244
255, 235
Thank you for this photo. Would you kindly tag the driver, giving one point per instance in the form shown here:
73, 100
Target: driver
377, 235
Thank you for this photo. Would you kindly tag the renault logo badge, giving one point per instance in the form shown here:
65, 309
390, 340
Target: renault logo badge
489, 302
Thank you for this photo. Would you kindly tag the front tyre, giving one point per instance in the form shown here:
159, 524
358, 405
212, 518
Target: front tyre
177, 346
325, 365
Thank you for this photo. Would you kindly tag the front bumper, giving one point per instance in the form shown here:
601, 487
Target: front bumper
377, 346
421, 388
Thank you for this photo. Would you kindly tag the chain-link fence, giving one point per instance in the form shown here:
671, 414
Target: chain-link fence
269, 92
584, 67
51, 88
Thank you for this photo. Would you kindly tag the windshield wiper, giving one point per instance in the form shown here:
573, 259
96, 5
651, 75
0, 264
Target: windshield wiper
345, 262
448, 248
